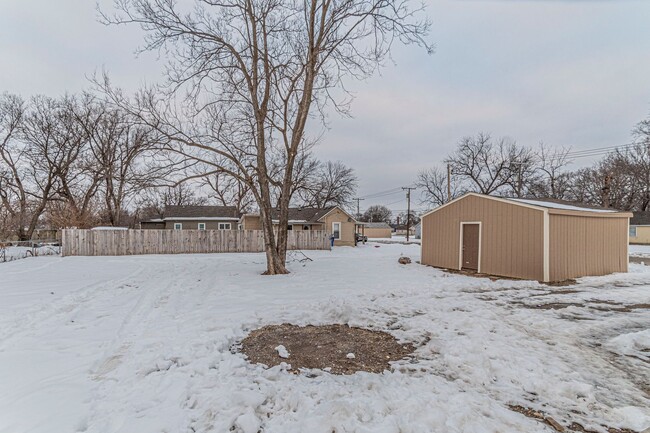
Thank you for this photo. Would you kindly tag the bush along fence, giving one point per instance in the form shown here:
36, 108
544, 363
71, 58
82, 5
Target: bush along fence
133, 242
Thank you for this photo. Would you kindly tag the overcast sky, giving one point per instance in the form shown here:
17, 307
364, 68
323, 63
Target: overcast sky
572, 73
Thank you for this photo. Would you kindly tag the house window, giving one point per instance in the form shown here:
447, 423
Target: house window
201, 226
224, 226
632, 231
306, 227
290, 227
336, 230
178, 226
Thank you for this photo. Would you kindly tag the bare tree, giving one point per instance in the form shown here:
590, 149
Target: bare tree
29, 179
484, 165
58, 129
153, 202
434, 187
116, 149
255, 72
641, 155
376, 214
13, 195
412, 218
329, 184
554, 180
229, 191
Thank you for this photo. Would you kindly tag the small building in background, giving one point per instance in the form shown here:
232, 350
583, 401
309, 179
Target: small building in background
376, 230
532, 239
418, 230
640, 228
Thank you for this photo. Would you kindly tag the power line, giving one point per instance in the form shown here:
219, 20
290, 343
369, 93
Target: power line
599, 150
383, 193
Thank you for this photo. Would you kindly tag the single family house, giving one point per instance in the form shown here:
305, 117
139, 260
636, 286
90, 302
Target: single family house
195, 218
640, 228
331, 219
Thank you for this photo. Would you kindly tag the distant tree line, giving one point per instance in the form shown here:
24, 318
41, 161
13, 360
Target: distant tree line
502, 167
80, 161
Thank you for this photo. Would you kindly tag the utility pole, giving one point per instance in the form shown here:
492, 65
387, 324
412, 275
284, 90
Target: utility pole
408, 210
448, 182
358, 211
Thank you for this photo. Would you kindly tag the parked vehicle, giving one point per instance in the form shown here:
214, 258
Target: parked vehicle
360, 238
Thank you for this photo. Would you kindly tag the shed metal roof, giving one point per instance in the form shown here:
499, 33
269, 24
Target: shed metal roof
547, 205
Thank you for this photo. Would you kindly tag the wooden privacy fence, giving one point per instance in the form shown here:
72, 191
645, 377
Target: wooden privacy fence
132, 242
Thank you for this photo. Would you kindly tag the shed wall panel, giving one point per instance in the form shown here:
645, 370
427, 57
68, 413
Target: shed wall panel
512, 241
581, 246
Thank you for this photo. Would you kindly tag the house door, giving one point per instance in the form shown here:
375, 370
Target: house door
471, 235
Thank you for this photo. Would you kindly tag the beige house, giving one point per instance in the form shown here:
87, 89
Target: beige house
195, 218
525, 238
640, 228
375, 230
331, 219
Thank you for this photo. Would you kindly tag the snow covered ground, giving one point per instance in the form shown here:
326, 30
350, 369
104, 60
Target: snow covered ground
640, 250
144, 344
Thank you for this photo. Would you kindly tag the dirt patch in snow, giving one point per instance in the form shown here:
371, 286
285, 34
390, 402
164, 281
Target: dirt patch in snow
338, 349
573, 427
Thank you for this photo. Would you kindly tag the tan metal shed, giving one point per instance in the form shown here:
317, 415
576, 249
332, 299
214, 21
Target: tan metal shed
525, 238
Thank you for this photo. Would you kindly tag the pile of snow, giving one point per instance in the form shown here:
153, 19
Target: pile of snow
282, 351
144, 344
636, 344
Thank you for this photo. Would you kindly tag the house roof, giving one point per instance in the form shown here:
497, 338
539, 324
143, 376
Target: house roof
381, 225
199, 212
547, 205
306, 214
640, 219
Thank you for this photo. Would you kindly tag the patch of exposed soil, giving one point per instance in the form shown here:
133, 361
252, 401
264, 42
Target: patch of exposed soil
553, 305
338, 349
573, 427
470, 273
601, 305
569, 282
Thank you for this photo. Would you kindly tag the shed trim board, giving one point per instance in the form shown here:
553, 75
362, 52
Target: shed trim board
627, 250
547, 247
460, 249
